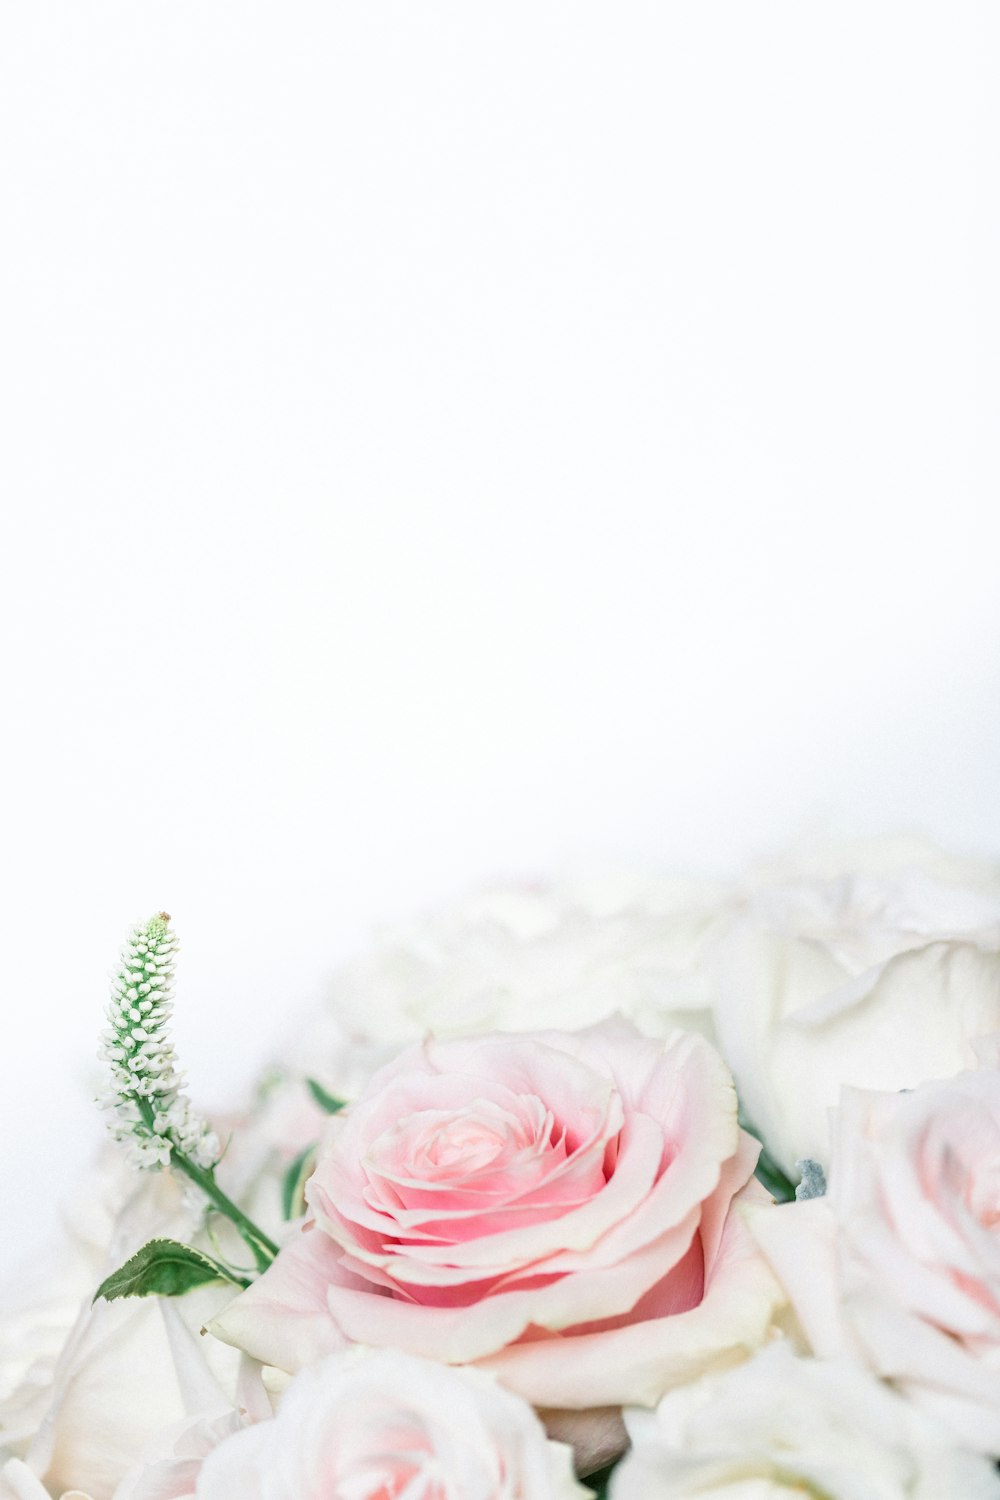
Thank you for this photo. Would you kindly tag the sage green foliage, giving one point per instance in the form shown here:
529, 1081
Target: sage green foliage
325, 1100
812, 1180
293, 1201
164, 1268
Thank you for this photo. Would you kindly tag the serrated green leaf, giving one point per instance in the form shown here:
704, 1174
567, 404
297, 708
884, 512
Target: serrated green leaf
326, 1101
164, 1268
293, 1184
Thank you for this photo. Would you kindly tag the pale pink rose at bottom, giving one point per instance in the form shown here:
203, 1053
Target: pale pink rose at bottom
556, 1207
900, 1264
389, 1425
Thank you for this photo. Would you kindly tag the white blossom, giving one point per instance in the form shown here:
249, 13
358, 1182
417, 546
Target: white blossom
150, 1110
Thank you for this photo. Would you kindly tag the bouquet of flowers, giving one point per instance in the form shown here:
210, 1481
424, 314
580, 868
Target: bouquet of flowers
638, 1187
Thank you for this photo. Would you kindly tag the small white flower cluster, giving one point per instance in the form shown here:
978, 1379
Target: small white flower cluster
150, 1111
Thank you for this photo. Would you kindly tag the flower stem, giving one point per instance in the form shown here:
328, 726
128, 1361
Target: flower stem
261, 1246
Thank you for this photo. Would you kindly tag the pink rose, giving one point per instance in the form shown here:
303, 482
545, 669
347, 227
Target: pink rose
386, 1424
900, 1263
555, 1206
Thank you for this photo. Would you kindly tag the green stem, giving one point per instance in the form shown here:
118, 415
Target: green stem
781, 1188
262, 1248
767, 1172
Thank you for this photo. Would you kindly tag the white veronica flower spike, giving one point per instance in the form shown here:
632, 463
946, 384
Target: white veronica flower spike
150, 1110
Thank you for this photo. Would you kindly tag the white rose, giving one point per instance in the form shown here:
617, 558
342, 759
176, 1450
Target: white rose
390, 1424
900, 1264
83, 1388
40, 1303
37, 1312
523, 957
17, 1482
880, 978
89, 1384
780, 1426
174, 1460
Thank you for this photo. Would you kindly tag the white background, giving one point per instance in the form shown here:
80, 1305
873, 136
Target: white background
443, 441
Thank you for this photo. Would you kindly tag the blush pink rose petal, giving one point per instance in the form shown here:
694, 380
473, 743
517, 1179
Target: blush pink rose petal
556, 1206
390, 1425
900, 1264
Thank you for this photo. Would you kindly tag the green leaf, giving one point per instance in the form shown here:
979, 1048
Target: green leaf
599, 1481
781, 1187
293, 1200
326, 1101
164, 1268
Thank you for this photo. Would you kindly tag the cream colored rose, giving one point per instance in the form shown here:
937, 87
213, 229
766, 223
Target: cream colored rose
389, 1424
526, 956
84, 1388
780, 1426
900, 1264
881, 976
88, 1385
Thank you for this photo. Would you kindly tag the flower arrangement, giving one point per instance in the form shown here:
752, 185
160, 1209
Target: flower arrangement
645, 1188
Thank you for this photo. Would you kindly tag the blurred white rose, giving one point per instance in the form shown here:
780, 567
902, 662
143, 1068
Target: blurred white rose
900, 1264
84, 1388
389, 1424
88, 1385
173, 1461
17, 1482
521, 957
175, 1476
40, 1306
780, 1426
37, 1311
880, 976
875, 964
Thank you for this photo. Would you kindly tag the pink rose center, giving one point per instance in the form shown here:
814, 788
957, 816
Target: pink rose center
477, 1169
434, 1145
379, 1456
